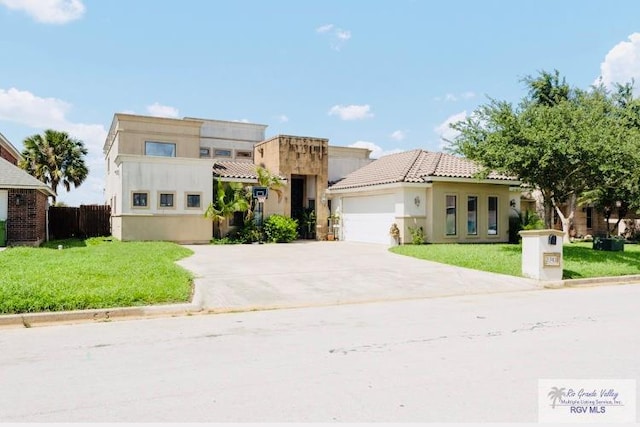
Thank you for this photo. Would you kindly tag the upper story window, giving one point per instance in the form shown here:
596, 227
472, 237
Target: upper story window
241, 154
162, 149
221, 153
205, 152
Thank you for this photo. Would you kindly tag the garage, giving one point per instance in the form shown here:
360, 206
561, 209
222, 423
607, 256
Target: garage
368, 218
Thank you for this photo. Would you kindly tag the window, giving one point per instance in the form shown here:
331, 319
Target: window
140, 199
204, 152
589, 212
451, 216
162, 149
193, 200
221, 153
165, 200
472, 215
243, 154
493, 215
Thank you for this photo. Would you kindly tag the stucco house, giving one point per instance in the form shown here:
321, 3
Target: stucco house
160, 173
23, 200
418, 188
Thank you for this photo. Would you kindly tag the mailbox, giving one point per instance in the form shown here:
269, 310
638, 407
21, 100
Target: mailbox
542, 254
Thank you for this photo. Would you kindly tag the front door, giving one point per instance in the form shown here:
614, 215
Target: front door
297, 197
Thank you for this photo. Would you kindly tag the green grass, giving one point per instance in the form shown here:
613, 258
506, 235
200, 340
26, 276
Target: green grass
92, 273
580, 260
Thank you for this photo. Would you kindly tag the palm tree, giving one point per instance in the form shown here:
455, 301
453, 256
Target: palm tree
228, 199
555, 394
55, 158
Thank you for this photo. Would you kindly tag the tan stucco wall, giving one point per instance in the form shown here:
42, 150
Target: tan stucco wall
437, 212
177, 228
297, 155
132, 132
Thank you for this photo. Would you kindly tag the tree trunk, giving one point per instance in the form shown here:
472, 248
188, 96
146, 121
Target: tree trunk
567, 221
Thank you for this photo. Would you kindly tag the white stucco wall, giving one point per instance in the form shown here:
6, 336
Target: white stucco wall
162, 174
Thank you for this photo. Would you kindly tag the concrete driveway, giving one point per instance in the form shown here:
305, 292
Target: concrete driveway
245, 277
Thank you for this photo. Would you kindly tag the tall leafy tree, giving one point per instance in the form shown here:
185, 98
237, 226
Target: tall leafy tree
559, 140
55, 158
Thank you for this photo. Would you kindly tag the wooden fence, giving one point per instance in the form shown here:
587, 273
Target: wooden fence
82, 222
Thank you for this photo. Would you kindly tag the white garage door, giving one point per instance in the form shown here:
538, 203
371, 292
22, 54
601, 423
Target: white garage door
368, 218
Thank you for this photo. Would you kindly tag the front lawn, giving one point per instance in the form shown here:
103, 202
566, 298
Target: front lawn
92, 273
580, 261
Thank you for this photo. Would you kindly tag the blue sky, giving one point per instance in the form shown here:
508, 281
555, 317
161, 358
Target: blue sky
389, 75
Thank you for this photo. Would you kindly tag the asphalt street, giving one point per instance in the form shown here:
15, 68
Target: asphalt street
470, 358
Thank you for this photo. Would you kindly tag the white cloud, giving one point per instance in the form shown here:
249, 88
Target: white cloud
398, 135
376, 150
445, 132
242, 121
324, 28
452, 97
283, 119
159, 110
337, 36
48, 11
39, 113
351, 112
622, 63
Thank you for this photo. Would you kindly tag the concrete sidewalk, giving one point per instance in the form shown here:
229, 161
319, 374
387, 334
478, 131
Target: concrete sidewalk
249, 277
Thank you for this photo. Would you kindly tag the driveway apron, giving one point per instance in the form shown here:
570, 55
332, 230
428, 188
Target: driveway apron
245, 277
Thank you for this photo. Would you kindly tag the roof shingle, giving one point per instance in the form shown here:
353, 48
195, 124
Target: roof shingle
413, 166
12, 176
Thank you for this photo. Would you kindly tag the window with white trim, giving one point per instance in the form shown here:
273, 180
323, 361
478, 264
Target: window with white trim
472, 215
451, 215
492, 228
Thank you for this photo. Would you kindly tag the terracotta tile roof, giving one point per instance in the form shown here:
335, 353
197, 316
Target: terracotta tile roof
236, 170
413, 166
12, 176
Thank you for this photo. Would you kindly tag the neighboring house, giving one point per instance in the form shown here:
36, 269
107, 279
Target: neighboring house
8, 151
417, 188
160, 173
23, 203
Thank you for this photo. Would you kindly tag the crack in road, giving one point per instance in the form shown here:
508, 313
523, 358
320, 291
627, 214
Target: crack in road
527, 327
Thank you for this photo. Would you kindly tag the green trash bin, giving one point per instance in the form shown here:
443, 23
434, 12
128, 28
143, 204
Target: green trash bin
3, 233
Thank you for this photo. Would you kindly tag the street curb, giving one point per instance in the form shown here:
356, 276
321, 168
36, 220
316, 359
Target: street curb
594, 281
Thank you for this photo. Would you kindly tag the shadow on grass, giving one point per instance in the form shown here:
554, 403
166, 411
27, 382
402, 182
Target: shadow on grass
592, 256
570, 274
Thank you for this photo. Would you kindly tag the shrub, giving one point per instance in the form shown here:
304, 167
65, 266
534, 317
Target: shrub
250, 233
417, 235
280, 229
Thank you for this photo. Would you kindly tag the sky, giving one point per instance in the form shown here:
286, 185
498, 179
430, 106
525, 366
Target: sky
387, 75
